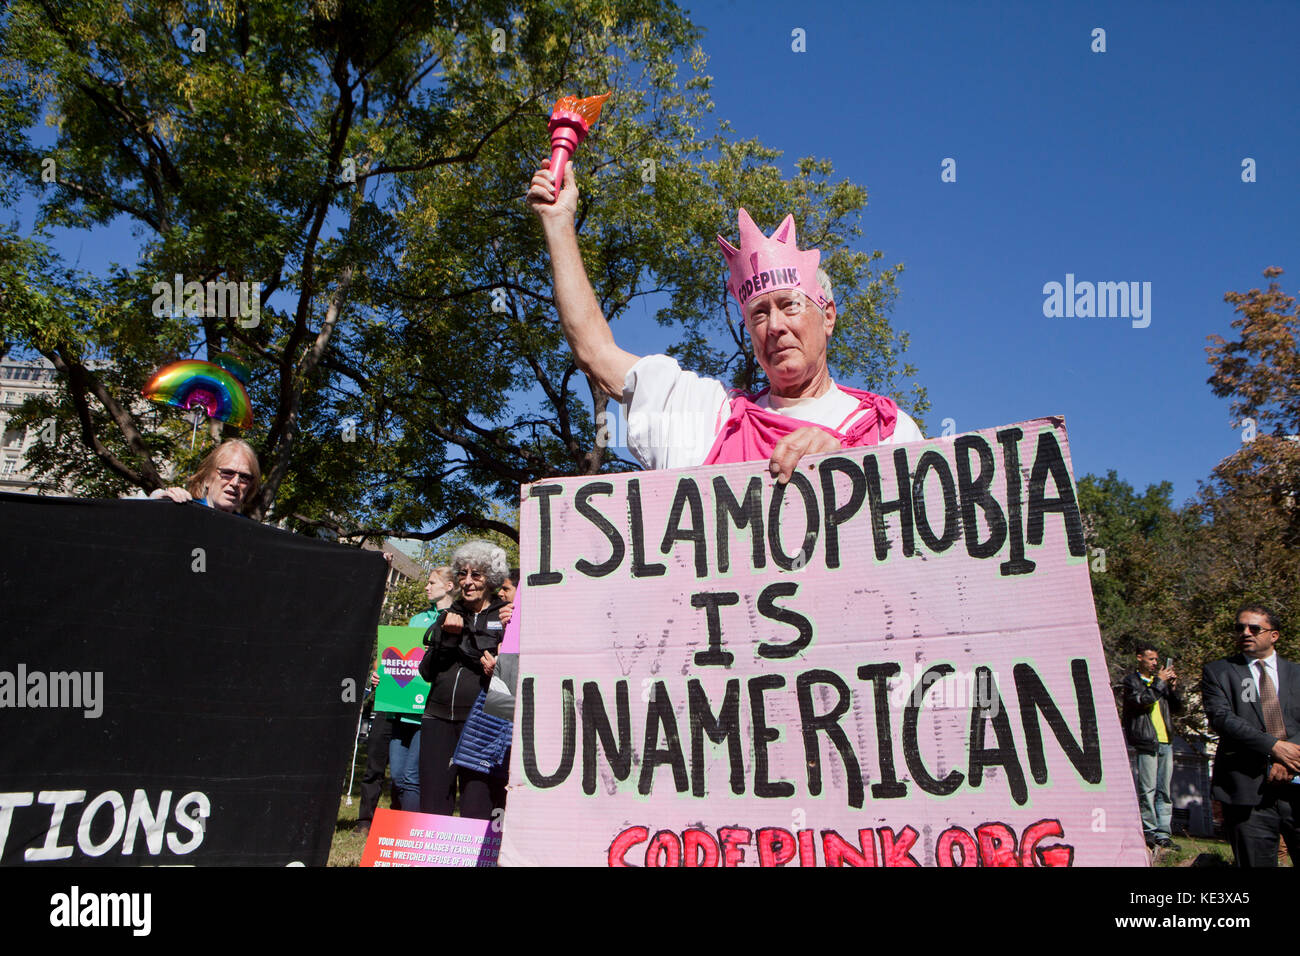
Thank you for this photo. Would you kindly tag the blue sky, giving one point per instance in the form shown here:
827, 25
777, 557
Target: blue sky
1115, 166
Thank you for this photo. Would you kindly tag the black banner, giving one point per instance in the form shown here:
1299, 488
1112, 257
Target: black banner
177, 685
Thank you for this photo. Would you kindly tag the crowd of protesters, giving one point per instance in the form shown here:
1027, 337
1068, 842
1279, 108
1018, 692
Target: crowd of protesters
455, 757
470, 603
437, 766
460, 656
1252, 700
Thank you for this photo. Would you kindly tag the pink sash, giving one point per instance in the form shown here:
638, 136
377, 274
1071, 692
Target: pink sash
750, 433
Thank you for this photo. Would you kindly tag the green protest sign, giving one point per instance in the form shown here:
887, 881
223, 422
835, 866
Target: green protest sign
401, 689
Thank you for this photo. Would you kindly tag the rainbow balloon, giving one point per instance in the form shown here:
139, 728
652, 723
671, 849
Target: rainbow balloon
193, 384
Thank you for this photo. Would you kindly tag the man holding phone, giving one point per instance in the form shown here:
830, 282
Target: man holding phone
1151, 698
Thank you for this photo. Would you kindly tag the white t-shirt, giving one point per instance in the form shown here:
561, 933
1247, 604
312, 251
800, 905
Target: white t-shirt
674, 416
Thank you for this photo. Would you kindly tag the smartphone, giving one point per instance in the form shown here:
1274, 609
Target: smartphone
1169, 662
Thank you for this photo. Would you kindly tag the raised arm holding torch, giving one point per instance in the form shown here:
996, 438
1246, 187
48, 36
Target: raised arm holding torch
679, 419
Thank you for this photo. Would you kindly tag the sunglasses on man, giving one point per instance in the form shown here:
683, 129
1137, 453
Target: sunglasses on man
1253, 628
230, 474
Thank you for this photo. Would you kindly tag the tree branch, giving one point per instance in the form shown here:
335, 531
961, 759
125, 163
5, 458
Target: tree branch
110, 201
462, 520
465, 156
287, 403
80, 381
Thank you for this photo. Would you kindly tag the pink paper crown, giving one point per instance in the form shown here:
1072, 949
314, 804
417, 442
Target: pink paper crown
762, 264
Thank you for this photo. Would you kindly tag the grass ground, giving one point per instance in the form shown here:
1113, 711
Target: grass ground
346, 848
1195, 851
1200, 851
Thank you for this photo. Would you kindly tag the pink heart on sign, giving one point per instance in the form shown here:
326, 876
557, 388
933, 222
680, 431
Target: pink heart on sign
402, 668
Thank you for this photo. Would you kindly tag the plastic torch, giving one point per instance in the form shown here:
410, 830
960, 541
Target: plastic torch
571, 120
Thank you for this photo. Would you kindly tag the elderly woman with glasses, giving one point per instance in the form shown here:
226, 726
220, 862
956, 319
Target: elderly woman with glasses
227, 479
458, 663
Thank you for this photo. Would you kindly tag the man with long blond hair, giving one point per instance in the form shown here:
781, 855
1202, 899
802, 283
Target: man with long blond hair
227, 479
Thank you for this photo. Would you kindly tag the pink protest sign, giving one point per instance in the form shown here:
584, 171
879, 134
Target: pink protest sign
891, 661
404, 838
510, 637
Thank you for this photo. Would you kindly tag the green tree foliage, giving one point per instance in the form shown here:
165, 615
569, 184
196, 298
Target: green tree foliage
1126, 534
1144, 555
405, 599
1251, 548
437, 554
366, 164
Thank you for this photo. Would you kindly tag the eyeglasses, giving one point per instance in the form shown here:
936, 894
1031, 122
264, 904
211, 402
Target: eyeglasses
1253, 628
471, 574
795, 306
230, 474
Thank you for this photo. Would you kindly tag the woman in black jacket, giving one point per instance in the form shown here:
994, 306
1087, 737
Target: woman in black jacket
458, 662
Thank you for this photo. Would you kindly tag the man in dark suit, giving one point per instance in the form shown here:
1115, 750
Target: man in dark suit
1252, 701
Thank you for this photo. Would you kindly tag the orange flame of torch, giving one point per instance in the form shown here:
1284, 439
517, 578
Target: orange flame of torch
571, 120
